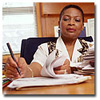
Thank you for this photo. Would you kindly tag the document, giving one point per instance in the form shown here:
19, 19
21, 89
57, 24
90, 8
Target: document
88, 68
51, 63
47, 81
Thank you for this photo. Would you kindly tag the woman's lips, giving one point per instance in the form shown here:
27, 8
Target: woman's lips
71, 29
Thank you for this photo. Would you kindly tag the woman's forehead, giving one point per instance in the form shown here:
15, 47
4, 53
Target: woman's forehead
72, 12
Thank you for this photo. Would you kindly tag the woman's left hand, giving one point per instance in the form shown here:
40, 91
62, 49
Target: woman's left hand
65, 68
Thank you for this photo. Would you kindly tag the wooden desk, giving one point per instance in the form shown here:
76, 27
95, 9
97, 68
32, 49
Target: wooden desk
85, 88
5, 57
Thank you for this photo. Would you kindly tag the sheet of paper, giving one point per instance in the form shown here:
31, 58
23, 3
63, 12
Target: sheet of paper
51, 63
44, 81
88, 67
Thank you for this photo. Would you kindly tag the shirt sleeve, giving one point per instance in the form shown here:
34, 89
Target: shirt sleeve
41, 54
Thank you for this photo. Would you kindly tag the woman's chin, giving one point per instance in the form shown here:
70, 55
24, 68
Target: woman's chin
70, 36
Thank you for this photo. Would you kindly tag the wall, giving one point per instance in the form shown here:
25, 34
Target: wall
48, 16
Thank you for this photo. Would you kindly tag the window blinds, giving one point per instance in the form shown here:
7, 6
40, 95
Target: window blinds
19, 22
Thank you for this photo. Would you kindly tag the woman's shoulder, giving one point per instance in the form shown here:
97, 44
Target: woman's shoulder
49, 43
43, 45
85, 45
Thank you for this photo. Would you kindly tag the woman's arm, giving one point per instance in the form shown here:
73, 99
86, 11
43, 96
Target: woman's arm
33, 69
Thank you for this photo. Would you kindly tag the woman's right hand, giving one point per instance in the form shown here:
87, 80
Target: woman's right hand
10, 68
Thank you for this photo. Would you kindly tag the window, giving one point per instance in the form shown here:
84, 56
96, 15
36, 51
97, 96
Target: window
19, 22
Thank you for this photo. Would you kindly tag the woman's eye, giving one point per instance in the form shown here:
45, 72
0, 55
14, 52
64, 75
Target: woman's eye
77, 20
66, 19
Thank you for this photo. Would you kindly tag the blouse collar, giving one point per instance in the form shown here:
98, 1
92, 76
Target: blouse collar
62, 48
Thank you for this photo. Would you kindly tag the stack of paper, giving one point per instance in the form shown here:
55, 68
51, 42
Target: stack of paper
89, 55
87, 67
87, 70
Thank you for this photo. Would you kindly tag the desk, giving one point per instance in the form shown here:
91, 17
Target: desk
5, 57
85, 88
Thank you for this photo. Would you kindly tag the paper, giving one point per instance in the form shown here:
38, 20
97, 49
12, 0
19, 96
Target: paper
44, 81
49, 77
86, 67
51, 63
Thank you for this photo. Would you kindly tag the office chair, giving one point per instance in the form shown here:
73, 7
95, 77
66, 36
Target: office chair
30, 45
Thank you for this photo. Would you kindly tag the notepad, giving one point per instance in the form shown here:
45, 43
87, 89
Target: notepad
47, 81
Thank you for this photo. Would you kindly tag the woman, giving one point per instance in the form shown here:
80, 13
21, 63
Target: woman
71, 24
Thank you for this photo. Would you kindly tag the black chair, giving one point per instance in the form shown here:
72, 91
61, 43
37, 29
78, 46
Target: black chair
30, 45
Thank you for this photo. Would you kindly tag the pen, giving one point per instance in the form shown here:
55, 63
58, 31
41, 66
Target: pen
12, 55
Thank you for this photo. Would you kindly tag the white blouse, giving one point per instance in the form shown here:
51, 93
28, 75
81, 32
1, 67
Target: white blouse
41, 54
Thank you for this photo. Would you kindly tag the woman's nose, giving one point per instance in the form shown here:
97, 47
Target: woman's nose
71, 22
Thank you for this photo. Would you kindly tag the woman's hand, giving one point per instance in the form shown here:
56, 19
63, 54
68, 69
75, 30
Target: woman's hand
65, 68
10, 68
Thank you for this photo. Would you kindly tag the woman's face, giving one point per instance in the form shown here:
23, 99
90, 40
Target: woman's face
71, 23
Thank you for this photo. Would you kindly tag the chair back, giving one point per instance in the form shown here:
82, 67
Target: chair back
30, 45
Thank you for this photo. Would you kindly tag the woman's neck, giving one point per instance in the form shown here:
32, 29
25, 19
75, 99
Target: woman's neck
69, 46
69, 42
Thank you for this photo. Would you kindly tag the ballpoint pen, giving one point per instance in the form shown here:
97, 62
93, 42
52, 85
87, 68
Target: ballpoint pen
12, 55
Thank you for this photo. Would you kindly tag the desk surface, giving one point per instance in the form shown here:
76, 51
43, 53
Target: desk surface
85, 88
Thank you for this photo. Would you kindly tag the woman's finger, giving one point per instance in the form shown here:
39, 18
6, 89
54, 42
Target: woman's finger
60, 71
10, 73
11, 62
66, 62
